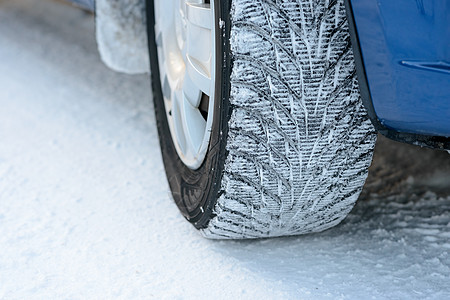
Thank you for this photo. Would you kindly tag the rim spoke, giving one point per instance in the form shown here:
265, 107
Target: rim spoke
199, 49
199, 75
199, 14
194, 127
190, 91
177, 117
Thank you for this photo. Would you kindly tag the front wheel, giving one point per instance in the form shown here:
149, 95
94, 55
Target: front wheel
262, 129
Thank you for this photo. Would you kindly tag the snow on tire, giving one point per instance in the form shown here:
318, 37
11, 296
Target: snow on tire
291, 142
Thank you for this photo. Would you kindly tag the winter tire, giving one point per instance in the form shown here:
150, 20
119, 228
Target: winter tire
277, 142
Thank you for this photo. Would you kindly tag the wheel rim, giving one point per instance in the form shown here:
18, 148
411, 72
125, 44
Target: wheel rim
185, 39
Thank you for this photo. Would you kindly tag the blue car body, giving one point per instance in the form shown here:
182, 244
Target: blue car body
402, 53
405, 49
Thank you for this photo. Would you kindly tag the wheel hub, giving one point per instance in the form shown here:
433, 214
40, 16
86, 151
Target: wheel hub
185, 38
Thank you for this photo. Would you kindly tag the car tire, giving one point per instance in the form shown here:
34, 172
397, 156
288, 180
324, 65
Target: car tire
290, 142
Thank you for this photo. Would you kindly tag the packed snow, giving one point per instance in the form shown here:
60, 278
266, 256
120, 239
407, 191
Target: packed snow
85, 210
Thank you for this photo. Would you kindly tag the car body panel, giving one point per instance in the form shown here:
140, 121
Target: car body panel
86, 4
405, 46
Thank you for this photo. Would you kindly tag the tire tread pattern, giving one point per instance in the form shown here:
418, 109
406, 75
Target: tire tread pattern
299, 140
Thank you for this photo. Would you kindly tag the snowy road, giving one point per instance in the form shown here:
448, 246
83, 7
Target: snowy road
85, 210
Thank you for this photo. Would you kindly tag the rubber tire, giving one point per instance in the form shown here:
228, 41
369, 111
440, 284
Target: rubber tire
291, 142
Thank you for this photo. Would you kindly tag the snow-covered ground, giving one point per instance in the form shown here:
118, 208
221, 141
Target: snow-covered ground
85, 210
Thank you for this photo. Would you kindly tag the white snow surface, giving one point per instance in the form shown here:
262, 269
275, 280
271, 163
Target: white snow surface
85, 210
